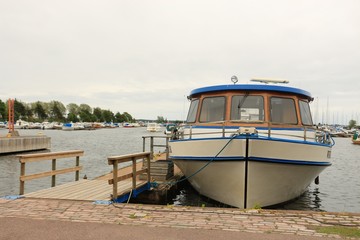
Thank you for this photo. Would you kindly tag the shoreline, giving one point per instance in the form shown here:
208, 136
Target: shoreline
262, 221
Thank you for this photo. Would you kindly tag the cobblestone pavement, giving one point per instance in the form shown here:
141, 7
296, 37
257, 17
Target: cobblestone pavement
230, 219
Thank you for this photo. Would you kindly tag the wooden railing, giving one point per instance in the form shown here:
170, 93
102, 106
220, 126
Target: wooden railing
115, 160
27, 158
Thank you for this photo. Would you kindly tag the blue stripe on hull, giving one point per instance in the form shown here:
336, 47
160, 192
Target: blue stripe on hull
255, 159
257, 138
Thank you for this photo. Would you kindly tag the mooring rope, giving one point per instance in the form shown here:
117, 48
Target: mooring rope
169, 184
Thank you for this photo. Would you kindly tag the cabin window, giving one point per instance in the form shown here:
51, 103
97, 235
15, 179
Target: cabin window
212, 109
191, 117
305, 113
247, 108
283, 110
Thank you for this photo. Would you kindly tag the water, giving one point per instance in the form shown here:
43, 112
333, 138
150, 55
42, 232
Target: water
339, 188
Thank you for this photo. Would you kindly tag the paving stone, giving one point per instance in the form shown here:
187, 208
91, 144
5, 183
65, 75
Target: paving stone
259, 221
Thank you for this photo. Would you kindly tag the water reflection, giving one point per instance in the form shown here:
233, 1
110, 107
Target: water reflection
310, 200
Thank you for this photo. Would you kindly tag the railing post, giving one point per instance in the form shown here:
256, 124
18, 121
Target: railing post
77, 173
134, 173
22, 183
167, 148
53, 168
143, 144
152, 147
223, 129
148, 168
115, 177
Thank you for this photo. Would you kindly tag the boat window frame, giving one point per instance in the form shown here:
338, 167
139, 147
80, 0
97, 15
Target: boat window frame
308, 111
203, 102
193, 110
295, 112
246, 96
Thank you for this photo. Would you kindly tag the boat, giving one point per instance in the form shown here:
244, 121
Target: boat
356, 138
169, 129
128, 125
153, 127
250, 145
68, 126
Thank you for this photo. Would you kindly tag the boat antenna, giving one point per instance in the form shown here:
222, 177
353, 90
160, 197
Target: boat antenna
234, 79
267, 81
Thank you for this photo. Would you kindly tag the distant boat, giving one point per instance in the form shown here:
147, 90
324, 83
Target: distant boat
21, 124
128, 125
68, 127
169, 128
356, 138
153, 127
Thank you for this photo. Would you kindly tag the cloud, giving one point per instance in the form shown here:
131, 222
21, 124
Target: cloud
145, 56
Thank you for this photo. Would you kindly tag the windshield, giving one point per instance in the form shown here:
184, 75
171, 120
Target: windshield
191, 117
283, 110
248, 108
212, 109
305, 113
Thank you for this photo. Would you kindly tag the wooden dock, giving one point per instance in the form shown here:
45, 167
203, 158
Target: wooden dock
118, 186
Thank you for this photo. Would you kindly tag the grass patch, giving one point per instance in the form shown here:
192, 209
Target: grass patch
340, 230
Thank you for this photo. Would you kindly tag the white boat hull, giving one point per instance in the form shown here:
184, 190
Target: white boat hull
265, 173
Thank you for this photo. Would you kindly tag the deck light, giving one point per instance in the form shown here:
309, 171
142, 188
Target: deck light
234, 79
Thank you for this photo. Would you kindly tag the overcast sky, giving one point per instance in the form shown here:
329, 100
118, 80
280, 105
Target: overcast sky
144, 57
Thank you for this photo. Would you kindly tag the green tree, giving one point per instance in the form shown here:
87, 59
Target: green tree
352, 124
40, 112
72, 117
73, 108
119, 118
29, 113
108, 115
85, 113
3, 112
98, 115
161, 119
19, 110
57, 111
128, 117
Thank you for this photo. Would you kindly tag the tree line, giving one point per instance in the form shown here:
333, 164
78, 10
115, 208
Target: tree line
56, 111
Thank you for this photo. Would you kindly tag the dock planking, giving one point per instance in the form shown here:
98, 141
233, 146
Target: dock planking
85, 190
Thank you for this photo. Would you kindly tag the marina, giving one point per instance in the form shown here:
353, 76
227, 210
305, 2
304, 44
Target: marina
330, 195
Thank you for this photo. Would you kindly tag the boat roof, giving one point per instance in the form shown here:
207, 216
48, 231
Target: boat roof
252, 87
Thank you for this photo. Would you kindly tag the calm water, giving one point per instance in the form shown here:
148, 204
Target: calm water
339, 188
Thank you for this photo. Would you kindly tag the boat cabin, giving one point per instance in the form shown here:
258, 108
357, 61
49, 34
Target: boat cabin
257, 105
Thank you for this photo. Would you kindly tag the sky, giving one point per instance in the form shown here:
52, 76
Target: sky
145, 56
